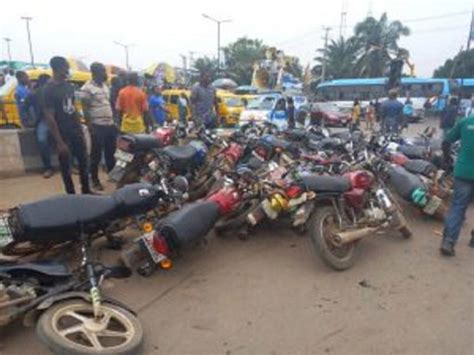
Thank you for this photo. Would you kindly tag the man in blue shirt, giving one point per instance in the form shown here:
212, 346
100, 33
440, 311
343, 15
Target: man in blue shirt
391, 112
156, 102
22, 97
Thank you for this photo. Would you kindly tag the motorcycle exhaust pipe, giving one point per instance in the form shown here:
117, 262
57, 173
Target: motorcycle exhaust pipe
343, 238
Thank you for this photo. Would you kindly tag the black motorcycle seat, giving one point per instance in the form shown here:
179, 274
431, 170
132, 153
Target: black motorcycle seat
413, 152
189, 224
46, 268
403, 182
180, 152
143, 141
62, 217
296, 134
420, 166
326, 183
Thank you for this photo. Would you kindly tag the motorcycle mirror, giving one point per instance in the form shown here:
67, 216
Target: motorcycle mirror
118, 272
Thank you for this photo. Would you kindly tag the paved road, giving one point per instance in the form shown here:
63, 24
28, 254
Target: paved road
272, 295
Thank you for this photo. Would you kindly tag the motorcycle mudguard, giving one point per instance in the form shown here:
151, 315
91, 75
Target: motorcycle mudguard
189, 224
47, 303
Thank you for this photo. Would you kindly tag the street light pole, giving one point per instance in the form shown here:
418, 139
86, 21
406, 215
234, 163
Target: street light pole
218, 22
326, 36
125, 47
27, 20
8, 40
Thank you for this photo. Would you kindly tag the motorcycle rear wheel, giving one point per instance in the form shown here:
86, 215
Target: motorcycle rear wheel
322, 225
82, 335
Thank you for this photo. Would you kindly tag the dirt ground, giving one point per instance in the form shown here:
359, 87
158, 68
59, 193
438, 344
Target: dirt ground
272, 295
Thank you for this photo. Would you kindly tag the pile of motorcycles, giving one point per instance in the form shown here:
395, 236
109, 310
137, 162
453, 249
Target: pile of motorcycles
176, 185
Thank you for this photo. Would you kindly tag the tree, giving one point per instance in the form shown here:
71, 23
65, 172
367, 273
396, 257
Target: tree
206, 65
240, 58
341, 57
294, 67
461, 66
379, 39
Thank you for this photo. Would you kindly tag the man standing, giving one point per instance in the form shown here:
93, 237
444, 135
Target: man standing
64, 124
157, 103
448, 116
391, 112
22, 97
463, 183
132, 107
41, 126
204, 103
98, 114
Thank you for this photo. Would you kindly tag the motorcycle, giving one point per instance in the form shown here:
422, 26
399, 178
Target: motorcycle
135, 151
50, 223
72, 315
183, 228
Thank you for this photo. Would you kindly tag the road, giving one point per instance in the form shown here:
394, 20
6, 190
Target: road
272, 295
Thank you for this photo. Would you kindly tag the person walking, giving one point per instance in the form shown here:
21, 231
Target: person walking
64, 124
391, 112
132, 107
370, 116
463, 193
117, 83
99, 118
41, 126
204, 103
156, 102
23, 98
356, 113
448, 116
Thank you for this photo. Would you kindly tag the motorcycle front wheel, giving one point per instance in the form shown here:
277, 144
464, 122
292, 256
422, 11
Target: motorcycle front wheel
323, 224
70, 328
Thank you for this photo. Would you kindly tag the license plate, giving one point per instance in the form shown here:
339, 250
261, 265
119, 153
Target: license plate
433, 205
123, 156
6, 236
147, 240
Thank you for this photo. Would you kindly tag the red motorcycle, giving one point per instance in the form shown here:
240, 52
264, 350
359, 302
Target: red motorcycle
185, 227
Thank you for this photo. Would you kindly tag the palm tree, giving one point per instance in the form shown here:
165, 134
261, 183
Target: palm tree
379, 39
341, 57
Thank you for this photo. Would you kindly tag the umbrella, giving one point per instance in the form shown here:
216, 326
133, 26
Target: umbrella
224, 83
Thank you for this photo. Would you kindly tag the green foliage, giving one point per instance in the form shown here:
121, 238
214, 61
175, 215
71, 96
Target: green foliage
365, 54
206, 65
240, 58
461, 66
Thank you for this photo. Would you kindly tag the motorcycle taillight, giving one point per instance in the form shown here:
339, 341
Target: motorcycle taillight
293, 191
160, 244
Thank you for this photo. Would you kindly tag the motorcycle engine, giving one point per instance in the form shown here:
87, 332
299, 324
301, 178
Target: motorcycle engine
375, 214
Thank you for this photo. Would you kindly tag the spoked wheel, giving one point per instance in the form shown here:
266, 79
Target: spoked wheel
323, 225
70, 328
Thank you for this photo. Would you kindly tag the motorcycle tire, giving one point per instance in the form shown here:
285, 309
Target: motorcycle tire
82, 340
236, 219
400, 223
338, 258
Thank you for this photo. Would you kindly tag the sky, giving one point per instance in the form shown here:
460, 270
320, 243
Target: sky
161, 31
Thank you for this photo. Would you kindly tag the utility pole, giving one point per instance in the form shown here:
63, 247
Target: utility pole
471, 32
218, 22
27, 20
7, 41
343, 23
126, 48
323, 72
185, 67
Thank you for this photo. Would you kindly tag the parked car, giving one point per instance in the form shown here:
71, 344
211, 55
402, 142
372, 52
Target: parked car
329, 114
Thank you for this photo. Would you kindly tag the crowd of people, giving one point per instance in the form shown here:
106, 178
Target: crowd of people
123, 107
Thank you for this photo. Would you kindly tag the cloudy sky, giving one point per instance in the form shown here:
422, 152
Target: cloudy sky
162, 30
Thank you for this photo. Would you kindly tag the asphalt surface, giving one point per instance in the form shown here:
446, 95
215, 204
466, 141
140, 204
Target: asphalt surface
273, 295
